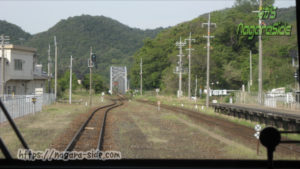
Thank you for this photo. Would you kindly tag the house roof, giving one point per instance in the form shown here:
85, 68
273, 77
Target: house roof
21, 48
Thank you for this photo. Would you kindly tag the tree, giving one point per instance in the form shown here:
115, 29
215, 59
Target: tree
64, 81
229, 52
97, 83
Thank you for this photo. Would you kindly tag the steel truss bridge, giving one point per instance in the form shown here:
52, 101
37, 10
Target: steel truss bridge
118, 79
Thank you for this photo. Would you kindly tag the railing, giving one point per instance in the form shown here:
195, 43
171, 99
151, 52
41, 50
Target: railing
282, 101
21, 105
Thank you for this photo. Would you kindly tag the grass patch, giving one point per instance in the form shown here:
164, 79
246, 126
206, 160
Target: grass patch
40, 129
190, 104
169, 116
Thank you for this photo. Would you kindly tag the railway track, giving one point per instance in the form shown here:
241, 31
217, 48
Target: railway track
226, 125
91, 133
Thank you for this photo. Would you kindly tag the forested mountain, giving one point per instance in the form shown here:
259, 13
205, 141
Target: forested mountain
117, 44
15, 33
113, 42
229, 63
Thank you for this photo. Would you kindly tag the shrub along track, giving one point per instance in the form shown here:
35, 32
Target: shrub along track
233, 131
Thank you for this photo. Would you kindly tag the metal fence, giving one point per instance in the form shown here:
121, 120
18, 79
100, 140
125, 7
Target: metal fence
21, 105
282, 101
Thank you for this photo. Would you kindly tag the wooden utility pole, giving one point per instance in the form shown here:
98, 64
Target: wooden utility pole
70, 91
55, 78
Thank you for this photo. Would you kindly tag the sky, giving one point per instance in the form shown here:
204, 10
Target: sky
38, 16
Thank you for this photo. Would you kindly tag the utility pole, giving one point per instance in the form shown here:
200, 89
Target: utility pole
250, 68
260, 78
208, 59
180, 69
190, 49
70, 90
49, 71
90, 65
141, 77
55, 78
298, 65
3, 40
260, 60
125, 77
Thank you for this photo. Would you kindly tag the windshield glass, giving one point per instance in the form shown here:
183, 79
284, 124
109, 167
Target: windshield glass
149, 79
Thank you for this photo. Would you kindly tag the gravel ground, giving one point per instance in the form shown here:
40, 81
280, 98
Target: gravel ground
140, 131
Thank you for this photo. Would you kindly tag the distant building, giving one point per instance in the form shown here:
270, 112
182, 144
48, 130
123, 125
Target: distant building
22, 73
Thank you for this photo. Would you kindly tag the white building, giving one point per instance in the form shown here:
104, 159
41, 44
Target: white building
22, 75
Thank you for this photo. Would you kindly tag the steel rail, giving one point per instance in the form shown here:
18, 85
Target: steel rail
102, 131
76, 137
258, 110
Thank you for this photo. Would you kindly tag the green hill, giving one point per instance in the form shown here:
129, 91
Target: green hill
229, 54
15, 33
113, 42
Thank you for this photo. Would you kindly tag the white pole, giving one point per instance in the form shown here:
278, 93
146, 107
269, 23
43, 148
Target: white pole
55, 78
260, 60
125, 77
180, 69
260, 92
208, 62
3, 39
189, 56
91, 64
3, 67
141, 77
196, 87
70, 90
250, 68
49, 71
111, 80
208, 57
189, 85
180, 44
